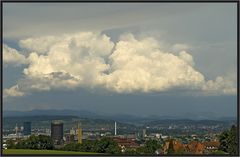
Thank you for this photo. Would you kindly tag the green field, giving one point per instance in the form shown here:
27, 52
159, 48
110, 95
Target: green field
30, 151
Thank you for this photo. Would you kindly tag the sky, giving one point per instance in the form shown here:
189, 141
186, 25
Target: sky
121, 58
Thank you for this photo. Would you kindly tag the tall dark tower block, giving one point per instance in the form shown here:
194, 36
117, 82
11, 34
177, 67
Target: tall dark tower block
57, 132
26, 128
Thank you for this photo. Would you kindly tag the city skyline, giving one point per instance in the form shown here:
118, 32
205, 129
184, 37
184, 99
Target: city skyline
147, 59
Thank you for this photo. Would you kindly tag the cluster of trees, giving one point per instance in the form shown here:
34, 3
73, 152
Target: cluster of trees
33, 142
109, 146
105, 145
150, 147
229, 141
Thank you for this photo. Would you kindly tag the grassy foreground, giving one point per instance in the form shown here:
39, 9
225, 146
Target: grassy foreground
31, 151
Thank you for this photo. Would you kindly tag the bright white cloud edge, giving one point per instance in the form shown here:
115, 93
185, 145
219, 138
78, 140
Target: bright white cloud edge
12, 56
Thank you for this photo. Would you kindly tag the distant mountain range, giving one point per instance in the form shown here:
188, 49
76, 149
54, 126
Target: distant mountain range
117, 117
84, 114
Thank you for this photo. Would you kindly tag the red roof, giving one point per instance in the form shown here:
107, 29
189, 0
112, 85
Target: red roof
127, 142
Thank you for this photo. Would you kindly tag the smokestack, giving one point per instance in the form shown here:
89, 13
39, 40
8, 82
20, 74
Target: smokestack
115, 128
16, 129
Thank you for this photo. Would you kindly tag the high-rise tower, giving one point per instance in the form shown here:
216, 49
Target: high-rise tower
144, 133
57, 132
26, 128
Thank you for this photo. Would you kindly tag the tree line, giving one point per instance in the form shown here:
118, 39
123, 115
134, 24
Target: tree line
33, 142
104, 145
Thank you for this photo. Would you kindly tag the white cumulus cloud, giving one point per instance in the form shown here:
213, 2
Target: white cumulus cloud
76, 60
12, 56
180, 47
220, 86
186, 57
12, 92
90, 60
140, 65
39, 45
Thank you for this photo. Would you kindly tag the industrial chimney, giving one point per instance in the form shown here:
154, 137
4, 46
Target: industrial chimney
115, 128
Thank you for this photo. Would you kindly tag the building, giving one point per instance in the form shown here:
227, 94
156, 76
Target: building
144, 133
211, 146
73, 131
69, 138
178, 147
27, 128
194, 147
191, 148
125, 143
57, 132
